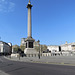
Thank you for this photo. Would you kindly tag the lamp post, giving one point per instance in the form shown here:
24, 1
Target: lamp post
39, 49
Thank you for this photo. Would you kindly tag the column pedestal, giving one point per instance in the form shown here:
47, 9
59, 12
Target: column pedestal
30, 46
30, 51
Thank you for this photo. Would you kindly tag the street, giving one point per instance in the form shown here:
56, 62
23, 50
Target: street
26, 68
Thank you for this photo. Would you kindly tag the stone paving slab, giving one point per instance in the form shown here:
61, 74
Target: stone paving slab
63, 60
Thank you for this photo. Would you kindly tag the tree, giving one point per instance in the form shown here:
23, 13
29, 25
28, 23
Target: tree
22, 47
15, 48
37, 48
43, 48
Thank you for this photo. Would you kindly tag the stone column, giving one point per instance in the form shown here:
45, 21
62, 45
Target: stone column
29, 40
29, 23
29, 20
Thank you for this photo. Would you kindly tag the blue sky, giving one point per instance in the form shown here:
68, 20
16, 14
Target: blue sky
53, 21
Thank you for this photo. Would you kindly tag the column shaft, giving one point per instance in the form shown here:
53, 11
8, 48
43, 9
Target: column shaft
29, 23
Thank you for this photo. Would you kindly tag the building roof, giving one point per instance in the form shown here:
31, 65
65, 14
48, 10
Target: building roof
53, 45
68, 44
4, 43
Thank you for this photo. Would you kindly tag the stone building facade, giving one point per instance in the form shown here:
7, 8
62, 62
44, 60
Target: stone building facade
68, 47
23, 42
53, 48
5, 47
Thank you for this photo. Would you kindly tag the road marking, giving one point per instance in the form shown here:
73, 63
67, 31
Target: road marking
62, 63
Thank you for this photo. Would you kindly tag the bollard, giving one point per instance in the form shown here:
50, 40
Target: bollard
10, 56
35, 55
19, 57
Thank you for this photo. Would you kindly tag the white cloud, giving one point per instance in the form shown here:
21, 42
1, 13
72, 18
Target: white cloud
6, 6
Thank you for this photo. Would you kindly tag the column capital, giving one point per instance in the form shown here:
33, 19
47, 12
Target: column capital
29, 5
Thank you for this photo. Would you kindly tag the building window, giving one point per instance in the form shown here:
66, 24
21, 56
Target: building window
73, 45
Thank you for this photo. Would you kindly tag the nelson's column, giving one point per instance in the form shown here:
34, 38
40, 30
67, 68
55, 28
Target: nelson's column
29, 40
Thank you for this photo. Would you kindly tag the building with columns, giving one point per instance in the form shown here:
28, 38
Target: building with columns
68, 47
53, 48
23, 42
5, 48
